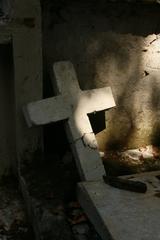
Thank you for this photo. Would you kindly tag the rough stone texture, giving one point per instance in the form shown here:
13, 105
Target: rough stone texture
73, 105
112, 45
122, 214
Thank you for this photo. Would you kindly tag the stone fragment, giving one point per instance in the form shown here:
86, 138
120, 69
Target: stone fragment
132, 161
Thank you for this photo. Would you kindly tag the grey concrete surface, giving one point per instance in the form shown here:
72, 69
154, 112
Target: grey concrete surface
120, 214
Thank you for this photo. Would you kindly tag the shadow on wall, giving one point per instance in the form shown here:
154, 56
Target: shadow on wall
111, 45
7, 136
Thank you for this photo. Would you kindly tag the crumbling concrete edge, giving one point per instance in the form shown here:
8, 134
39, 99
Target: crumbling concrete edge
91, 211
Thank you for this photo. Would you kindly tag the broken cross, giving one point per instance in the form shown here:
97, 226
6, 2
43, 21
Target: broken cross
72, 104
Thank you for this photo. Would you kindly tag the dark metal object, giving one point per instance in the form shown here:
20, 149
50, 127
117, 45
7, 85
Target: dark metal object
158, 177
125, 184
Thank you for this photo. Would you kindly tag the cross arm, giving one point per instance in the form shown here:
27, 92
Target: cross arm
98, 99
46, 111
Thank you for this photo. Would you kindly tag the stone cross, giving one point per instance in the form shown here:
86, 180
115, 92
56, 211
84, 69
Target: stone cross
72, 104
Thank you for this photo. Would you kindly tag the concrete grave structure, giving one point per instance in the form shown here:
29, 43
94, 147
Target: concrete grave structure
23, 34
116, 214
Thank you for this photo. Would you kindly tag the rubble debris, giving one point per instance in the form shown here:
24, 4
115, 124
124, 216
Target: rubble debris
55, 211
130, 161
13, 219
48, 186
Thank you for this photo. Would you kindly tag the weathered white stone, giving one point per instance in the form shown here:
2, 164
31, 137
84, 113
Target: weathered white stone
87, 159
74, 104
41, 112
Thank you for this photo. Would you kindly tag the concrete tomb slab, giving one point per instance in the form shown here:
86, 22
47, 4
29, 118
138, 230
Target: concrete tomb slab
122, 215
72, 104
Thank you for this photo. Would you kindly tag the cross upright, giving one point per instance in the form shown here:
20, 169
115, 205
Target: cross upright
72, 104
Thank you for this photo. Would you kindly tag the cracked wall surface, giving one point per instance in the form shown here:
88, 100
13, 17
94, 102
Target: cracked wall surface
115, 45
